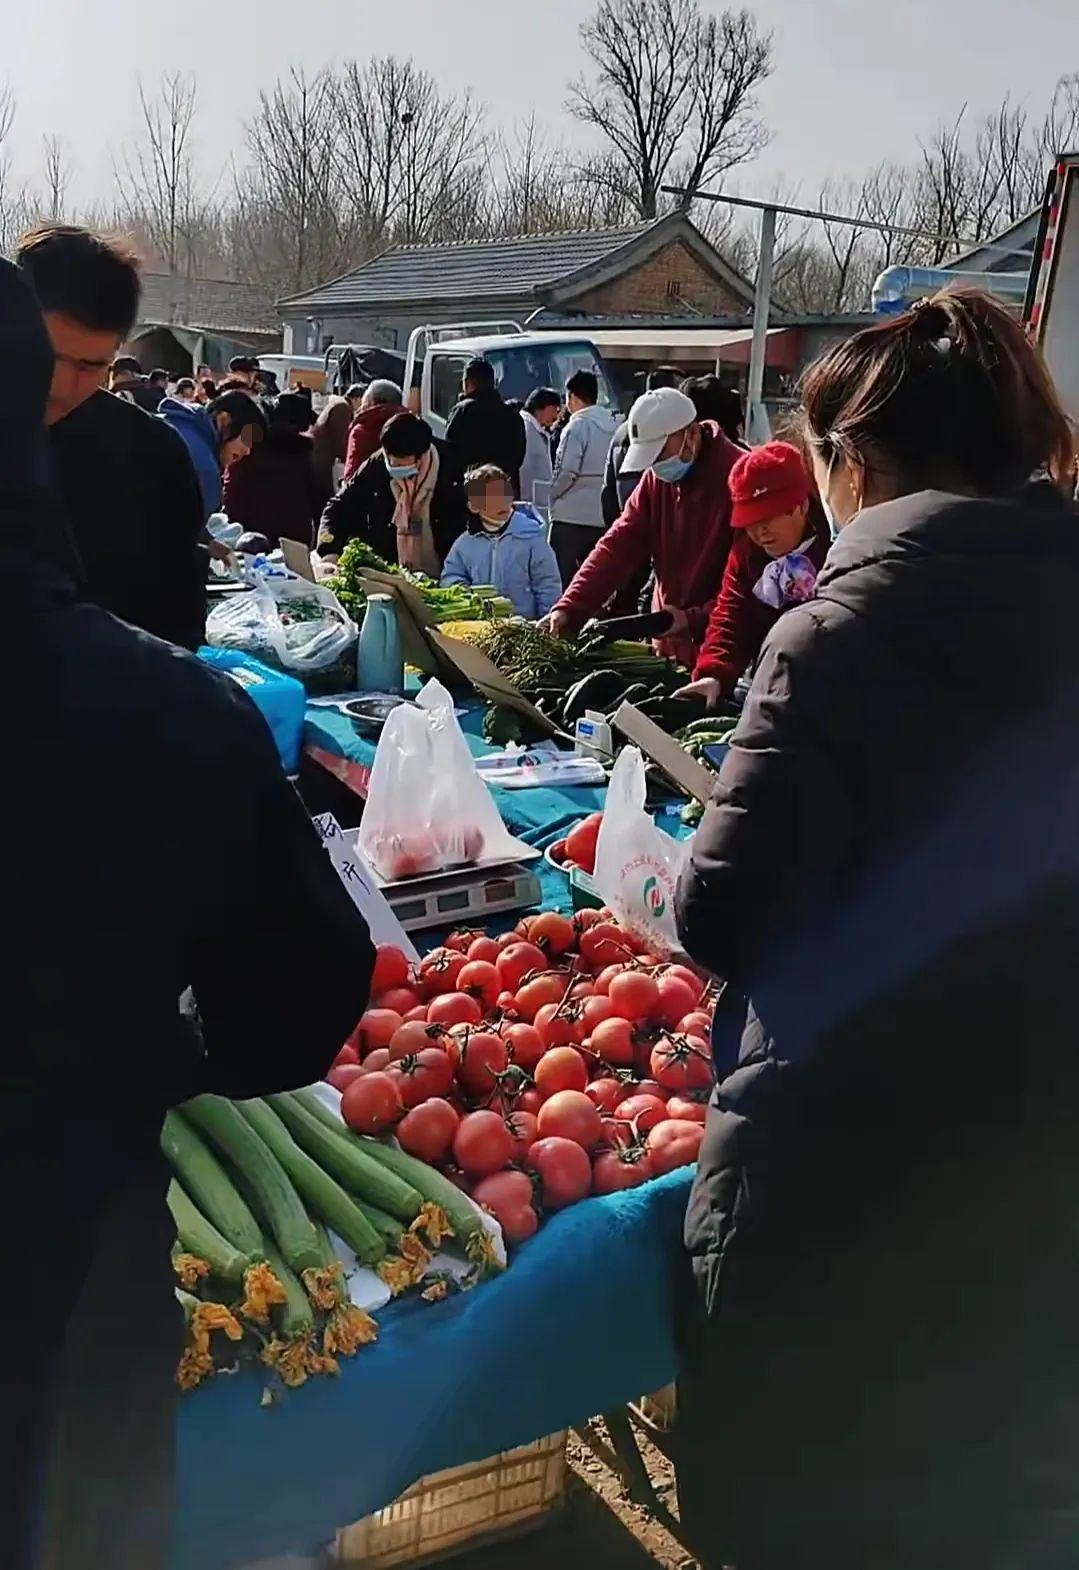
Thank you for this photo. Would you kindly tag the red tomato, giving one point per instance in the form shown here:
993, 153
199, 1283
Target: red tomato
376, 1061
413, 1036
483, 948
528, 1100
525, 1045
506, 940
454, 1008
641, 1112
479, 979
583, 919
427, 1131
569, 1114
421, 1075
676, 999
391, 969
483, 1058
482, 1144
419, 1012
522, 1127
698, 1023
633, 995
606, 1093
440, 969
564, 1170
691, 979
605, 944
400, 999
581, 842
561, 1068
349, 1053
612, 1040
376, 1029
594, 1012
508, 1196
651, 1087
553, 933
615, 1170
682, 1063
463, 939
342, 1075
686, 1110
674, 1144
517, 961
581, 990
548, 988
602, 982
560, 1025
371, 1104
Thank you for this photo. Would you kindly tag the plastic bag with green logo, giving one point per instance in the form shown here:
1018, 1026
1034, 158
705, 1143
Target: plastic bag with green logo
637, 865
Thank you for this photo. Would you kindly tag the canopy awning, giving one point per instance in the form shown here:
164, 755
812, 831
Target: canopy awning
730, 344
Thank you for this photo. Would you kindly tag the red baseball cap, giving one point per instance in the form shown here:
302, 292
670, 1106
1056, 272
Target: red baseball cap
767, 483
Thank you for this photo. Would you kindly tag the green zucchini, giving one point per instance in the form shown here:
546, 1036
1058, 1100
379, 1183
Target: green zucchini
388, 1227
199, 1237
330, 1143
294, 1316
318, 1190
462, 1215
429, 1183
597, 690
225, 1126
209, 1186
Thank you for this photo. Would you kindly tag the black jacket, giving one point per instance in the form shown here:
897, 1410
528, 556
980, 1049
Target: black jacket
139, 392
364, 507
484, 429
153, 844
132, 500
882, 1228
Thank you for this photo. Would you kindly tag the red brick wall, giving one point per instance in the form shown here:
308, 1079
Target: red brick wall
643, 290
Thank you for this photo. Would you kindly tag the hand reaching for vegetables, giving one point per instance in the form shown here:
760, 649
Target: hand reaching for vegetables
707, 688
679, 622
558, 623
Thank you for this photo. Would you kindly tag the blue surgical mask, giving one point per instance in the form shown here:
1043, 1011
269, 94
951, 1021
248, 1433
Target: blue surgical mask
671, 470
402, 471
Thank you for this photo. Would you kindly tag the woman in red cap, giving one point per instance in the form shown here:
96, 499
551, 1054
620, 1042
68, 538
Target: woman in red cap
780, 542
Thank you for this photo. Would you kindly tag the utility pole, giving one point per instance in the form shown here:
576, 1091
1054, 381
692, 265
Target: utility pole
758, 425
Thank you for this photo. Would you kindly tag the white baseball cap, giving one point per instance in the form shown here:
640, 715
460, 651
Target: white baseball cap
654, 417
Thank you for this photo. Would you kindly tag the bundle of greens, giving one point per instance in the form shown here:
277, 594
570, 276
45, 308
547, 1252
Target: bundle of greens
444, 605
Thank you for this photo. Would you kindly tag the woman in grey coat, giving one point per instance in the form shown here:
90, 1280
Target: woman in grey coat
577, 489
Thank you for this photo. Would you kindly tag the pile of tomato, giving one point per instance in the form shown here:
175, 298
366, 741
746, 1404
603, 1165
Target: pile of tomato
556, 1061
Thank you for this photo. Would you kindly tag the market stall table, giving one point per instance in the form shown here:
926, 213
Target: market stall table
580, 1323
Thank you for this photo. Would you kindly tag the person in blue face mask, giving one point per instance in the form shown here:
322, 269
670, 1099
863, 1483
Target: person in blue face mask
406, 501
678, 519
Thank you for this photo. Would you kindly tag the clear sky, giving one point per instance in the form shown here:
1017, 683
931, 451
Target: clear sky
854, 80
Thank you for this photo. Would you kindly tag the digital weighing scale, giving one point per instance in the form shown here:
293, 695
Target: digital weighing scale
463, 895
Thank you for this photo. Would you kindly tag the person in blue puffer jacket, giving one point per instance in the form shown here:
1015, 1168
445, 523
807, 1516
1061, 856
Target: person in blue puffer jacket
506, 546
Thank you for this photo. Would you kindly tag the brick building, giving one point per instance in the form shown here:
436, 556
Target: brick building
664, 269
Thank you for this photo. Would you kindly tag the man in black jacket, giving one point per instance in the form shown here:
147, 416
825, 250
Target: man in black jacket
483, 428
124, 478
125, 758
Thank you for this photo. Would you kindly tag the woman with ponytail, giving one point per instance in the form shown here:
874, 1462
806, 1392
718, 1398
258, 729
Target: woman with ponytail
879, 1335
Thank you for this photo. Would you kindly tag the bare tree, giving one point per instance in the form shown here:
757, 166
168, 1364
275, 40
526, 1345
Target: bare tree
671, 89
57, 175
287, 216
156, 177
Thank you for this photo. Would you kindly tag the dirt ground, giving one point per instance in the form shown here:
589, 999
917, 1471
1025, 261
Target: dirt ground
597, 1527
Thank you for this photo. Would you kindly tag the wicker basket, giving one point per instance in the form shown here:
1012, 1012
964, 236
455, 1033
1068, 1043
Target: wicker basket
461, 1508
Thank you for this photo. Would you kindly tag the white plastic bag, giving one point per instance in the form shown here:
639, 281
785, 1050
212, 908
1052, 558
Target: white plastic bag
299, 625
637, 865
427, 808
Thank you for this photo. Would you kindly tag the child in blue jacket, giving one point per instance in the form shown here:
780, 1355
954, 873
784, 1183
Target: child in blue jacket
506, 546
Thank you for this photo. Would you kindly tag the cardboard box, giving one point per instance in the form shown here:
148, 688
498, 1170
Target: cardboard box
488, 680
689, 775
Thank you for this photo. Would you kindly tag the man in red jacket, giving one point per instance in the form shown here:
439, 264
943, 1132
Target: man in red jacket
780, 541
678, 518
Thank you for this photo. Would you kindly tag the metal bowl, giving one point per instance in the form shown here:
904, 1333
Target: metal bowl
371, 712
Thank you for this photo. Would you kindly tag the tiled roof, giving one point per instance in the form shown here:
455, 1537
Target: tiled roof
516, 265
214, 304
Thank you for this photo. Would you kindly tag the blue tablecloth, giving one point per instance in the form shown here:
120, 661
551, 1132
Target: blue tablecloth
579, 1323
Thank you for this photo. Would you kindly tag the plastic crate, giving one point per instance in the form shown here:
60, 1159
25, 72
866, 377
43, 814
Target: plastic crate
461, 1508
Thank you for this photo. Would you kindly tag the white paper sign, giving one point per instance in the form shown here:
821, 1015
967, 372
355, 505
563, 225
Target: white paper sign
359, 880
